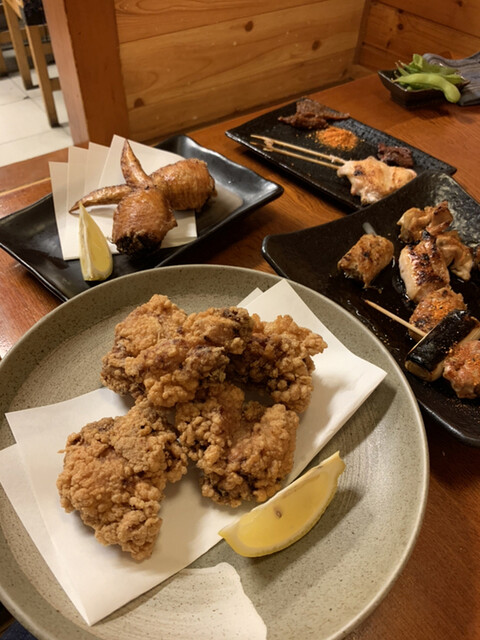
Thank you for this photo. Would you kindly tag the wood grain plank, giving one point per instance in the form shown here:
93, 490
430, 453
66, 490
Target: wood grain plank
215, 71
139, 19
400, 34
455, 14
193, 110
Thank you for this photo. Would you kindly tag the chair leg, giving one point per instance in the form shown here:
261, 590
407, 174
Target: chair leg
40, 64
18, 45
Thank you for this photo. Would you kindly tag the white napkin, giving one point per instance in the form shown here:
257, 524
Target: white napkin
96, 167
101, 579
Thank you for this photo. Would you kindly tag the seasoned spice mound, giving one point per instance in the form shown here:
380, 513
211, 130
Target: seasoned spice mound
337, 138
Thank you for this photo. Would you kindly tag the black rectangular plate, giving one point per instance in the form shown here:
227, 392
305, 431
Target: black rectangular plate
31, 236
310, 257
323, 178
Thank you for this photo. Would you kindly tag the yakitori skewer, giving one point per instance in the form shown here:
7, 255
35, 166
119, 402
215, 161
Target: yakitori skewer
392, 316
279, 146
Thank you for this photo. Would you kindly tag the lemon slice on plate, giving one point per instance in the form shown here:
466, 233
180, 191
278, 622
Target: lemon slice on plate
289, 515
96, 260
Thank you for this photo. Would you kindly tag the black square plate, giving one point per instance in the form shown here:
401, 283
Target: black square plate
310, 257
323, 178
31, 236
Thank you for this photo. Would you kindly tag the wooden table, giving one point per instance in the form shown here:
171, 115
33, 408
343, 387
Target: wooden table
437, 594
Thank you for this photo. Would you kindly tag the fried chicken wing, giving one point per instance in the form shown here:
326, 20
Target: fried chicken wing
187, 184
141, 221
114, 474
243, 449
278, 357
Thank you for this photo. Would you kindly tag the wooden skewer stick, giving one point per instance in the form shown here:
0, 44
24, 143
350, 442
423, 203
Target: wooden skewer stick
392, 316
269, 145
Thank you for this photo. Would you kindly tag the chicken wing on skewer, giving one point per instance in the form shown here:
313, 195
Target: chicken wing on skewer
372, 179
367, 258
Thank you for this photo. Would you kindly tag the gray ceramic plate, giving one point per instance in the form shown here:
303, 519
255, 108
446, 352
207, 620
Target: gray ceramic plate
322, 586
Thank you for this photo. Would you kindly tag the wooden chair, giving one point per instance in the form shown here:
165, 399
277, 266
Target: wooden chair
15, 20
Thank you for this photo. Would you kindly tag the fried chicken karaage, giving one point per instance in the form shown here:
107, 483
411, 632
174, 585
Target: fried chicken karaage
278, 358
177, 357
243, 449
114, 474
198, 368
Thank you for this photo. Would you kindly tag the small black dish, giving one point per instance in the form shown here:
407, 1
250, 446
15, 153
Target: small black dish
31, 235
410, 98
310, 257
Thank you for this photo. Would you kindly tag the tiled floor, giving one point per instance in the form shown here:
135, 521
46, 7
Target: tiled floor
24, 128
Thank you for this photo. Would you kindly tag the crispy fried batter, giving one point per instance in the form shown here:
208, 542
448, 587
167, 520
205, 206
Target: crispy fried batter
114, 474
278, 357
147, 324
171, 365
243, 450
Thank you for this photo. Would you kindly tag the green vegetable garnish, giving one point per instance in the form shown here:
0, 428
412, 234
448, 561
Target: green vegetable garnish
420, 74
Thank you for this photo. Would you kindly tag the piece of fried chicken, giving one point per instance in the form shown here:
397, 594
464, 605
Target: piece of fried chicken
278, 358
114, 474
166, 361
243, 449
147, 324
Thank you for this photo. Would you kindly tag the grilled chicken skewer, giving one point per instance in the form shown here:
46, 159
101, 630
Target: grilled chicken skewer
368, 256
372, 179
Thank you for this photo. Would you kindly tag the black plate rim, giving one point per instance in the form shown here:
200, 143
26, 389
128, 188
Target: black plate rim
189, 147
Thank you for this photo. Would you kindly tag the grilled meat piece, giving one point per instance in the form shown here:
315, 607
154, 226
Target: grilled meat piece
434, 220
372, 179
462, 369
457, 256
310, 114
422, 268
434, 307
367, 258
397, 156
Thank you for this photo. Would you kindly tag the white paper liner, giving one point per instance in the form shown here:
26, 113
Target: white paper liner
101, 579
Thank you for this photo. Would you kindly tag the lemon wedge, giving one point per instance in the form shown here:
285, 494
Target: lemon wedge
96, 260
289, 515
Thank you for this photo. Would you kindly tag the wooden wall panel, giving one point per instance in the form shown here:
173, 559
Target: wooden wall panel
395, 29
176, 81
139, 19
